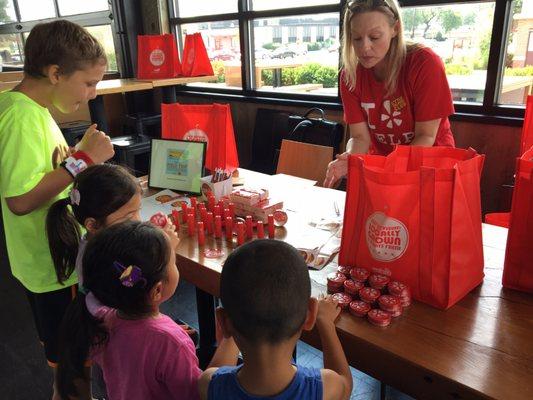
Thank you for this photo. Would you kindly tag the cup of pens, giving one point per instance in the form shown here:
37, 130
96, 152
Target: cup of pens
219, 184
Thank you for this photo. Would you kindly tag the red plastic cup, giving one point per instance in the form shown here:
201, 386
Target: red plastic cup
271, 227
201, 233
226, 213
194, 202
249, 227
184, 212
209, 222
190, 224
231, 207
176, 219
211, 202
218, 226
260, 230
240, 233
229, 228
217, 210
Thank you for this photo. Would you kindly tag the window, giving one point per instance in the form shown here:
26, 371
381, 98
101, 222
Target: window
460, 34
17, 18
291, 48
517, 80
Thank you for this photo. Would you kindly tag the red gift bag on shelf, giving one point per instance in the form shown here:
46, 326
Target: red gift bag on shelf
416, 215
157, 57
209, 123
195, 59
518, 267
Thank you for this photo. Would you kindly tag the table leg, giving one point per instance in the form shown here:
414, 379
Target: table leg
97, 112
169, 94
276, 77
205, 304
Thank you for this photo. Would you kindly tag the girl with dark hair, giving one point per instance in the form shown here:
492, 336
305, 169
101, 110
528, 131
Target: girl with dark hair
101, 195
129, 269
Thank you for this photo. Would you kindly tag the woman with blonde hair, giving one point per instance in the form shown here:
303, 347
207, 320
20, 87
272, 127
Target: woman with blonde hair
392, 92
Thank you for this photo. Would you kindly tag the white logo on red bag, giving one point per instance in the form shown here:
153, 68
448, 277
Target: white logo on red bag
387, 238
196, 135
157, 57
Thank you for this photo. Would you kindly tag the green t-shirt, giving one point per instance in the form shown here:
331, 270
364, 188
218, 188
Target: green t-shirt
31, 145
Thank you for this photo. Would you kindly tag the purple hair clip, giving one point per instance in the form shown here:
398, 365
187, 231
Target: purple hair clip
129, 276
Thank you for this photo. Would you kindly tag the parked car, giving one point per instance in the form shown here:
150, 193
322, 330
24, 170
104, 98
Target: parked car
221, 55
262, 54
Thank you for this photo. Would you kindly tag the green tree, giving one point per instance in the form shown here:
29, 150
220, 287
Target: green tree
411, 20
3, 11
450, 20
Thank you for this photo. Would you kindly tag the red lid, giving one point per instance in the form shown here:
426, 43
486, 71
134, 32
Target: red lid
398, 288
359, 274
369, 294
342, 298
378, 281
280, 217
352, 287
388, 302
336, 278
359, 308
159, 219
344, 270
379, 317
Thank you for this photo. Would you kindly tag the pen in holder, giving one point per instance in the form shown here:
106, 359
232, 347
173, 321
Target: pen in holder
219, 189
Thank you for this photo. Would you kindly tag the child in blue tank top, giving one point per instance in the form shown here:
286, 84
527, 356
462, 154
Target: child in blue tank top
266, 296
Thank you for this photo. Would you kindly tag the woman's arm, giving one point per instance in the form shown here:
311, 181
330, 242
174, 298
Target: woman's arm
426, 133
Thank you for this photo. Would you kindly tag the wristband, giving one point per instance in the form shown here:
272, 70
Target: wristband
81, 155
73, 166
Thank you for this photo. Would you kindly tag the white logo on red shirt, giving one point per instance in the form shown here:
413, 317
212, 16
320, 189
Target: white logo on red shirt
390, 117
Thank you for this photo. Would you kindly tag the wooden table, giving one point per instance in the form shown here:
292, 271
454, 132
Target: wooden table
480, 348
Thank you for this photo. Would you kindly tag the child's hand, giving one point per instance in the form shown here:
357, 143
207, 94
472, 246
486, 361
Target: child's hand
170, 231
328, 311
97, 145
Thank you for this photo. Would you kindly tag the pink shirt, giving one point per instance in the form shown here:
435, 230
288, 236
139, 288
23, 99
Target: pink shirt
151, 358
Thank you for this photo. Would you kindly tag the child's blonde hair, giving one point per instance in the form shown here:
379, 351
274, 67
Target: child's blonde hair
398, 48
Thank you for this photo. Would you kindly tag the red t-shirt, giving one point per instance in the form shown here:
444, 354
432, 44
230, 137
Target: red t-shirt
422, 94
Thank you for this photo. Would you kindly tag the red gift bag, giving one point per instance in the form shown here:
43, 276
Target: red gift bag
157, 57
518, 267
416, 215
527, 129
195, 59
209, 123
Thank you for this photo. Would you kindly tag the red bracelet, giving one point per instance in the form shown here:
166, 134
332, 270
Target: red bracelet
81, 155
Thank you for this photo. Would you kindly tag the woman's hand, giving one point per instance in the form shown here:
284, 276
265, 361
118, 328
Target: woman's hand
336, 170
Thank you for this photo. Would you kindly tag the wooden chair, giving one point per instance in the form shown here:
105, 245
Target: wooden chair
304, 160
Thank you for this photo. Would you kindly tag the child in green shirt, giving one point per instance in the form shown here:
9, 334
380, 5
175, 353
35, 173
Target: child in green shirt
63, 63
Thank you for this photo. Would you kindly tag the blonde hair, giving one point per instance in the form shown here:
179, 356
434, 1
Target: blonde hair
398, 49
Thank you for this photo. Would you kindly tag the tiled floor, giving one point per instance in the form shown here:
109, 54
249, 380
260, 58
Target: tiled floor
24, 374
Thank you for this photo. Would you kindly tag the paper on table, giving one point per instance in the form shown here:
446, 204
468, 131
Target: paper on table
164, 201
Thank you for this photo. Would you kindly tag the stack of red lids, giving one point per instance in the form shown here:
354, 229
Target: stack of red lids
375, 296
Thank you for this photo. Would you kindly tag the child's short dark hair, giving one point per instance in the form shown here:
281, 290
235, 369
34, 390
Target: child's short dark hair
265, 290
61, 43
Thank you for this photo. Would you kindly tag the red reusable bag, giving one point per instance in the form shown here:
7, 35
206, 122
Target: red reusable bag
416, 214
209, 123
527, 129
195, 59
518, 267
157, 57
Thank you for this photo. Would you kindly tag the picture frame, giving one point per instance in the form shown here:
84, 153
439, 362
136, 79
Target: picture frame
176, 165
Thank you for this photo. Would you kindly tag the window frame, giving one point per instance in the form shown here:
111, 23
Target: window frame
489, 111
96, 18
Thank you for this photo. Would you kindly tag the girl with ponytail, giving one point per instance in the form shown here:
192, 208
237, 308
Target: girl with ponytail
129, 269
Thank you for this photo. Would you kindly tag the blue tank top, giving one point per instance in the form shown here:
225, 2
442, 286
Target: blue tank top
306, 384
